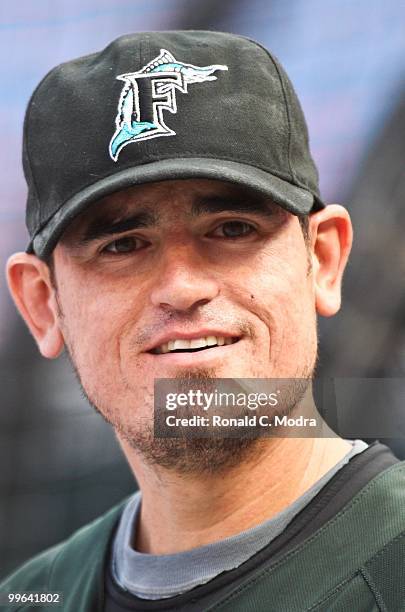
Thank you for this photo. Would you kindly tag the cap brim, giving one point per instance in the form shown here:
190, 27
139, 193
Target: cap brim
295, 199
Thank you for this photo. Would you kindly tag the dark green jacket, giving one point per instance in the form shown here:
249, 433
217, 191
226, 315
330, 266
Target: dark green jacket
354, 563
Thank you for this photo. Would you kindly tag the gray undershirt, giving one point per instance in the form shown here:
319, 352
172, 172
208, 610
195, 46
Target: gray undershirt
161, 576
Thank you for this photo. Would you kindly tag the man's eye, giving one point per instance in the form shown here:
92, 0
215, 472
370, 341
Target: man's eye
127, 244
234, 229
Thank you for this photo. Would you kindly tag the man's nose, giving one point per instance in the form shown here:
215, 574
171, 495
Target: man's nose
183, 281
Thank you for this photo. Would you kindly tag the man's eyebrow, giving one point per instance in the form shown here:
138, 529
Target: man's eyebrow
215, 204
104, 226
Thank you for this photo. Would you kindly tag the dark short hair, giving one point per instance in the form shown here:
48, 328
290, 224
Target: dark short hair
304, 223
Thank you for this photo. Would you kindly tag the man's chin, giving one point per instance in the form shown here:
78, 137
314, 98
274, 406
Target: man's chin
193, 456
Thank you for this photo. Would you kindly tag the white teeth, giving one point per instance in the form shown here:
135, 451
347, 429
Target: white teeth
198, 343
180, 344
174, 345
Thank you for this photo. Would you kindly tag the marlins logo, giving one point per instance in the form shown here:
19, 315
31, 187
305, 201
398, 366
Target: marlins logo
150, 91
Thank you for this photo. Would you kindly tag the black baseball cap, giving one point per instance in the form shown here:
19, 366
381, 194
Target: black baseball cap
157, 106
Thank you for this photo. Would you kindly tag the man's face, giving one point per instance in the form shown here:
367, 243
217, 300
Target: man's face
166, 267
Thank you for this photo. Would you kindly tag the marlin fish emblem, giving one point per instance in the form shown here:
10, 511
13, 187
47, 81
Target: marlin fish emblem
157, 82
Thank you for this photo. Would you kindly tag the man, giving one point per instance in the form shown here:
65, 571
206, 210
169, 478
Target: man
177, 232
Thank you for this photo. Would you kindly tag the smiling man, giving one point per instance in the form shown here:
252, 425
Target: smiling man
177, 232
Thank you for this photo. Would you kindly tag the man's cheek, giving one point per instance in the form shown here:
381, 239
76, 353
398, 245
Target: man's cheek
91, 338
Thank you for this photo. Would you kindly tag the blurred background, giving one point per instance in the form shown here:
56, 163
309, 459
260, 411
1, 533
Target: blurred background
60, 465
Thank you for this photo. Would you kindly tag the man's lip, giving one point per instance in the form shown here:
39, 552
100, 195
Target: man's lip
189, 359
187, 335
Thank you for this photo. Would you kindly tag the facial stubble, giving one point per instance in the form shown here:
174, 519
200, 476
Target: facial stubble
190, 455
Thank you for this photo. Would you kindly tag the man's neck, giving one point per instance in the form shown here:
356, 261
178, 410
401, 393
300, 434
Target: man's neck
180, 512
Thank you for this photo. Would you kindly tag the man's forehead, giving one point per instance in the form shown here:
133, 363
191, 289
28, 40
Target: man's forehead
183, 193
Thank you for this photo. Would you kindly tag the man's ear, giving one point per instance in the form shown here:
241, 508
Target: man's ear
30, 285
331, 240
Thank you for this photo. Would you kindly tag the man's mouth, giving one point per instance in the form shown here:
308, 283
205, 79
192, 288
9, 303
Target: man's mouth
183, 345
